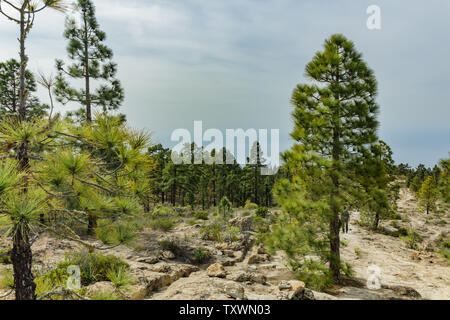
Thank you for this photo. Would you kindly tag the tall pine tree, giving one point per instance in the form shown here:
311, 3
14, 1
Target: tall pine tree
91, 62
335, 122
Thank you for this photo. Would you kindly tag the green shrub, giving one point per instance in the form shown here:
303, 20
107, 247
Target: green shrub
7, 259
395, 224
225, 209
315, 275
262, 212
403, 232
164, 224
182, 211
120, 233
7, 279
171, 246
163, 212
201, 255
93, 267
445, 252
105, 295
120, 277
246, 213
191, 222
44, 284
212, 232
201, 215
412, 239
233, 233
406, 219
261, 225
250, 205
445, 244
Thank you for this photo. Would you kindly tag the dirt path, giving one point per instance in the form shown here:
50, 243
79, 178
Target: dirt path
426, 272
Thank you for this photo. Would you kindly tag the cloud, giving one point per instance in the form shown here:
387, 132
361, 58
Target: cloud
235, 63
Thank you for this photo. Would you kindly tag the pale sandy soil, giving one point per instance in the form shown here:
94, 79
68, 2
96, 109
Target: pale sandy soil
427, 272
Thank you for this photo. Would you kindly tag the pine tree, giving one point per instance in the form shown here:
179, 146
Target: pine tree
428, 195
376, 176
75, 173
335, 121
161, 156
91, 62
24, 13
10, 91
444, 181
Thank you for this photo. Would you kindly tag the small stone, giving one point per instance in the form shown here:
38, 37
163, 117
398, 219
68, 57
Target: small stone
229, 253
168, 255
240, 276
254, 259
162, 268
252, 268
216, 271
261, 250
258, 278
235, 291
284, 285
149, 260
222, 246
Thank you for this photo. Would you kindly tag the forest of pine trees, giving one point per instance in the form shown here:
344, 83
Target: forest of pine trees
80, 174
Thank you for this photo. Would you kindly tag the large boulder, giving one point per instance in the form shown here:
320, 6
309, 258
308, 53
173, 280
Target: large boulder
243, 223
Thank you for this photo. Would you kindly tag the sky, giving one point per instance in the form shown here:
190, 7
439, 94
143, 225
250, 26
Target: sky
234, 63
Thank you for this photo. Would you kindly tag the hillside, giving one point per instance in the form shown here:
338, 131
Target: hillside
163, 264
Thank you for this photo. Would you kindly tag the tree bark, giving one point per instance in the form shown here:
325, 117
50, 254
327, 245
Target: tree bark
86, 71
377, 221
23, 62
92, 224
21, 257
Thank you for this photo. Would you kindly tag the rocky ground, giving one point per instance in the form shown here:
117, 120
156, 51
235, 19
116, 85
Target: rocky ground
243, 270
423, 270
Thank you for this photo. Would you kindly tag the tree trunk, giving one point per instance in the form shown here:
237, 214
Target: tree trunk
377, 221
335, 223
214, 185
86, 71
21, 257
92, 224
256, 185
335, 242
23, 63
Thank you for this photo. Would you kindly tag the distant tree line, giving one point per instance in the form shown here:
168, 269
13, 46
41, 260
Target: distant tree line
204, 185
